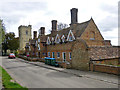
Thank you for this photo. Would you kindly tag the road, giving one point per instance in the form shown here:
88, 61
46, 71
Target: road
33, 76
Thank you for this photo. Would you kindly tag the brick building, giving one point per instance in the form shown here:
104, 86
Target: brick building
72, 46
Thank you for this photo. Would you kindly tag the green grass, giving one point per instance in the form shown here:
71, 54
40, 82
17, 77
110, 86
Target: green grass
6, 81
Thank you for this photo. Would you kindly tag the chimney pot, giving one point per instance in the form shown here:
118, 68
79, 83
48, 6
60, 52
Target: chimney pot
74, 12
54, 25
35, 34
42, 31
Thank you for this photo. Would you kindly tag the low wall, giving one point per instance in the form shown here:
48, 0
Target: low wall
30, 59
105, 68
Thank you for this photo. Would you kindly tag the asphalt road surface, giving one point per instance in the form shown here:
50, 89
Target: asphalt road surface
33, 76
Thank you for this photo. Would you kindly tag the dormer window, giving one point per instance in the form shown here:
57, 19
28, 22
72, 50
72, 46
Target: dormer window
63, 38
52, 40
70, 36
38, 47
36, 43
48, 40
39, 40
57, 39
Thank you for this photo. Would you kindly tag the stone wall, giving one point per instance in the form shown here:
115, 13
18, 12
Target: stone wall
80, 56
24, 36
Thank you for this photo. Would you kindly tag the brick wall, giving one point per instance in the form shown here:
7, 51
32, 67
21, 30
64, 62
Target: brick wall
109, 61
92, 28
105, 68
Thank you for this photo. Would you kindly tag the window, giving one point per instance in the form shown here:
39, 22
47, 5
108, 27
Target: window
70, 55
70, 36
43, 54
48, 40
57, 39
64, 56
39, 40
38, 47
58, 54
48, 54
92, 35
26, 32
63, 38
36, 43
53, 55
36, 53
52, 40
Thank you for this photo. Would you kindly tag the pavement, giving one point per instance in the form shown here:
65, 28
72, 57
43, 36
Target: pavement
109, 78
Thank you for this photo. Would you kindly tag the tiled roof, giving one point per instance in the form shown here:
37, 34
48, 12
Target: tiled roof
96, 53
77, 31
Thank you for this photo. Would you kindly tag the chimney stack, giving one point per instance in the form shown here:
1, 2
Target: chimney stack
74, 15
54, 25
35, 34
42, 31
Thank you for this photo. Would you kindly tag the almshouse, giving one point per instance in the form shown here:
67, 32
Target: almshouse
72, 47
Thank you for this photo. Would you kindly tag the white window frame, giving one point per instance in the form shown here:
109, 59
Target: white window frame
48, 54
38, 47
57, 37
63, 38
64, 59
38, 39
70, 55
70, 32
57, 54
52, 38
36, 43
48, 40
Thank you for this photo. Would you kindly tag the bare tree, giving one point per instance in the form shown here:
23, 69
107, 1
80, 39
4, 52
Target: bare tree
61, 26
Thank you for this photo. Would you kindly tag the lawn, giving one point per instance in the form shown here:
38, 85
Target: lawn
8, 83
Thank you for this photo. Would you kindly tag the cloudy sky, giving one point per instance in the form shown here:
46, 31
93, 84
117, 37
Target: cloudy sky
39, 13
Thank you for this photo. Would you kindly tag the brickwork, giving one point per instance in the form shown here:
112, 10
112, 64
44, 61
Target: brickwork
105, 68
111, 61
91, 28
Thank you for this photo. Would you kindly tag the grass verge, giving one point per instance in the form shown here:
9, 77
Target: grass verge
8, 83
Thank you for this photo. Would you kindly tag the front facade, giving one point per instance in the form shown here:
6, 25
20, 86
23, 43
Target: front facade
70, 46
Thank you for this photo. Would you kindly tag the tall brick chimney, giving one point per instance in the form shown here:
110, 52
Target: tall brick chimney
35, 34
54, 25
42, 31
74, 12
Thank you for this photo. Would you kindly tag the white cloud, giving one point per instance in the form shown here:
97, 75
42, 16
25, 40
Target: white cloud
39, 13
